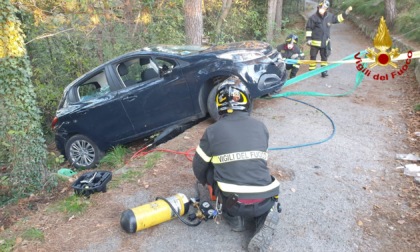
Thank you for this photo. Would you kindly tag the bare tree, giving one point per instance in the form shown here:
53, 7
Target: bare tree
193, 21
227, 4
271, 19
390, 12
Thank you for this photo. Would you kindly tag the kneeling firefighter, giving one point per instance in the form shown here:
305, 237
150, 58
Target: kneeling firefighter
232, 159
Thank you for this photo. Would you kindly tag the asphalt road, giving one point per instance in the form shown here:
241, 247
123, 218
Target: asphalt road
323, 187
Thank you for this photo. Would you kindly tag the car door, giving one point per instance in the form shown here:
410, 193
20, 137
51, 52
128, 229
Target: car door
159, 98
98, 113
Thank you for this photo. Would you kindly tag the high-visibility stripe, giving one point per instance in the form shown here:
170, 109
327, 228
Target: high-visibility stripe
226, 187
296, 66
308, 33
324, 63
316, 43
312, 66
203, 155
340, 18
236, 156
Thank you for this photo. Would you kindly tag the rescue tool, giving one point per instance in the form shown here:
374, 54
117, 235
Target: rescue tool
165, 209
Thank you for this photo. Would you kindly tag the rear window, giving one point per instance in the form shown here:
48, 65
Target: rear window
94, 87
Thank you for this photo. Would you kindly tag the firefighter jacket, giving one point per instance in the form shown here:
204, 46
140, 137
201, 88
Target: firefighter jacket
236, 146
318, 28
287, 53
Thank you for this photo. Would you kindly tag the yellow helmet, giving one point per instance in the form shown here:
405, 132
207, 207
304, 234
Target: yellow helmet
232, 95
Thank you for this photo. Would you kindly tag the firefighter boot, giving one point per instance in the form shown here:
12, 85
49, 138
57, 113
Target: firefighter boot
237, 223
324, 74
265, 231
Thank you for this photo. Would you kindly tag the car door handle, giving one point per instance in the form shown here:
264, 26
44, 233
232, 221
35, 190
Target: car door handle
130, 98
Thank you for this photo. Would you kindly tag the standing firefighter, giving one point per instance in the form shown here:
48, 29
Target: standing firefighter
290, 50
232, 159
318, 32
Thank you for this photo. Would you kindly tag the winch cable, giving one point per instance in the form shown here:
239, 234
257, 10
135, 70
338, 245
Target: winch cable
189, 154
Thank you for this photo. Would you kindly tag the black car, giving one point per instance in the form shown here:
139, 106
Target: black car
143, 92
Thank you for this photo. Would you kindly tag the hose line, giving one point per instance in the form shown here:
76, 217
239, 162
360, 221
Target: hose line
177, 214
313, 143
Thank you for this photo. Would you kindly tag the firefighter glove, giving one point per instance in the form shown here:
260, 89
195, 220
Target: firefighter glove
309, 42
294, 56
348, 10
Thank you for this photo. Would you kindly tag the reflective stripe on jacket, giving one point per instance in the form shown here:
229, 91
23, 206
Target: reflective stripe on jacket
318, 28
236, 146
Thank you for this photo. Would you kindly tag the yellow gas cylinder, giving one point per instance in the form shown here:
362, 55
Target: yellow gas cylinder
153, 213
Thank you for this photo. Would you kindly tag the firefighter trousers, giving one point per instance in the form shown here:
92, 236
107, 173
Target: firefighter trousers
294, 69
314, 52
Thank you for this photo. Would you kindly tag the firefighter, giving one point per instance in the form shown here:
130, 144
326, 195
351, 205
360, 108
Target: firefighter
318, 32
232, 159
290, 50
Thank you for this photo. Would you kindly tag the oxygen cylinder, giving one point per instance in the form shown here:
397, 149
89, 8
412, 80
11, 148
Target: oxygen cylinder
153, 213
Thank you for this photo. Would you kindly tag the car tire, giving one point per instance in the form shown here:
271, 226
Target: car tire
212, 108
211, 104
82, 152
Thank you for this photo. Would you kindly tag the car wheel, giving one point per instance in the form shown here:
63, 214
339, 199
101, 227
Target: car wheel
82, 152
212, 108
211, 104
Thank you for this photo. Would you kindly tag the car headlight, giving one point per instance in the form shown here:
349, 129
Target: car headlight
240, 56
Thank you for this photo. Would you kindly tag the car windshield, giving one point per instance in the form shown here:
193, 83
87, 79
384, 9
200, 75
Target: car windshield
176, 50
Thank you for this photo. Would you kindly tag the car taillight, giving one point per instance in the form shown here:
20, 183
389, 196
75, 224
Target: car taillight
54, 122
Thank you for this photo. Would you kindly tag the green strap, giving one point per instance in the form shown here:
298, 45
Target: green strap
359, 78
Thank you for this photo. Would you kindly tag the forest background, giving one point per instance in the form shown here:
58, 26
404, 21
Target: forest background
56, 41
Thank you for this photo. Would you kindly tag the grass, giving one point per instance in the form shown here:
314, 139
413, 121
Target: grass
33, 234
116, 157
136, 172
152, 159
7, 245
71, 205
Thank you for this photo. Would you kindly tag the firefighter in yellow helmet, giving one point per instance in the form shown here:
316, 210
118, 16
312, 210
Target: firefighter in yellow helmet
318, 32
232, 159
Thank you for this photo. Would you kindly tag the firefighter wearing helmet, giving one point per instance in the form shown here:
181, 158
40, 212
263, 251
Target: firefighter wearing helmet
232, 159
291, 50
318, 32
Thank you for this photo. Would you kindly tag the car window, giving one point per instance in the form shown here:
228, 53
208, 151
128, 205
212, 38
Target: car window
94, 87
138, 70
165, 65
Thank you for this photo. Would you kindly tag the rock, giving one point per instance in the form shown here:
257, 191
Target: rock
412, 170
409, 157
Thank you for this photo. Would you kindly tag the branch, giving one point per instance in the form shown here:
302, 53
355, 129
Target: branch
48, 35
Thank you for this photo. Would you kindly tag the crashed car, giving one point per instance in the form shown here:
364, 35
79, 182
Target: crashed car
146, 91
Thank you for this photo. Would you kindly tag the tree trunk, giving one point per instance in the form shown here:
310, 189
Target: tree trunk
390, 12
271, 19
193, 22
279, 17
227, 4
